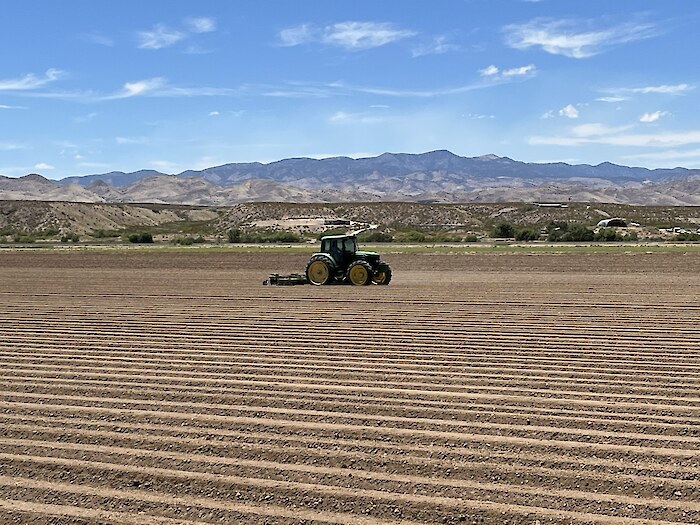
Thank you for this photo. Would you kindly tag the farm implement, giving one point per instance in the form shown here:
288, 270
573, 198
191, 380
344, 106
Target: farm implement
338, 261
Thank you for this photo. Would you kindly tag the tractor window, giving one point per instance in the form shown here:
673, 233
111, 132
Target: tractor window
350, 245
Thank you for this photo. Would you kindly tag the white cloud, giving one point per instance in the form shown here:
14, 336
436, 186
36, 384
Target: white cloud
140, 87
519, 71
363, 35
130, 140
297, 35
214, 113
568, 111
31, 81
575, 38
611, 99
668, 155
596, 129
164, 166
664, 89
656, 140
98, 38
84, 118
494, 73
11, 146
652, 117
44, 166
356, 118
489, 71
4, 106
548, 114
478, 116
349, 35
202, 24
159, 37
438, 46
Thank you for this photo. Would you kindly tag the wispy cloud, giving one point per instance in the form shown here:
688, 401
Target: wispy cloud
494, 73
668, 155
489, 71
140, 87
652, 117
676, 89
4, 106
357, 118
31, 81
575, 38
519, 71
353, 36
165, 166
11, 146
438, 46
611, 99
44, 166
130, 140
159, 37
162, 36
601, 134
297, 35
97, 38
202, 24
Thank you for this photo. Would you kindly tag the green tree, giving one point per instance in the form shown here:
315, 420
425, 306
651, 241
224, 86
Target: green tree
503, 230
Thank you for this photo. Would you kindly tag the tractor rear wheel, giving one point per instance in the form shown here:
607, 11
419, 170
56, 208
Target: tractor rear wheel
360, 273
319, 271
382, 277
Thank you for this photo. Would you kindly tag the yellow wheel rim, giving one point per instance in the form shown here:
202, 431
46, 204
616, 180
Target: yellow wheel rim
318, 272
358, 274
379, 277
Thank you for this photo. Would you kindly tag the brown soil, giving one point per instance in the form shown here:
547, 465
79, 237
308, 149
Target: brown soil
168, 388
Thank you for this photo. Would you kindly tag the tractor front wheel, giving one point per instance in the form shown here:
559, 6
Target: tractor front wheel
319, 271
360, 273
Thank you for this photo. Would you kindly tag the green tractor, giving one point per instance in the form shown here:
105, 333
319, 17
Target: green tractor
339, 261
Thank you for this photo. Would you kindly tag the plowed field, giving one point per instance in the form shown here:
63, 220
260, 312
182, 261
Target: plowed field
151, 387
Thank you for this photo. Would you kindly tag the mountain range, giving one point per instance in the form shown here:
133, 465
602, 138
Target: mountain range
437, 176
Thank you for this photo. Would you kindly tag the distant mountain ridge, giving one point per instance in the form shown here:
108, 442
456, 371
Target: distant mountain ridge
436, 176
338, 170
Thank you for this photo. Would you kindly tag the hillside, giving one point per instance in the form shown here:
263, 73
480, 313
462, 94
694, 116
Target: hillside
103, 221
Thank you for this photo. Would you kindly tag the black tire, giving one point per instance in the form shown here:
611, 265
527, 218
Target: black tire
382, 278
359, 273
319, 270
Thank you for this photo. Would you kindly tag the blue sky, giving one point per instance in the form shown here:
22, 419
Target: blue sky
91, 87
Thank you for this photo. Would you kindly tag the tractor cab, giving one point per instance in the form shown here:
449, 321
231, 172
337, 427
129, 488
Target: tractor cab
342, 248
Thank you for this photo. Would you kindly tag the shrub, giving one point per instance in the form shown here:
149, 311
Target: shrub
70, 237
471, 238
503, 230
375, 236
687, 237
234, 235
527, 234
104, 234
569, 232
608, 235
143, 237
22, 237
413, 236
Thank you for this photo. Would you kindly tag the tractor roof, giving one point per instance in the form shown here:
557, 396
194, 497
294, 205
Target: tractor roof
344, 236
